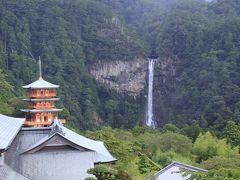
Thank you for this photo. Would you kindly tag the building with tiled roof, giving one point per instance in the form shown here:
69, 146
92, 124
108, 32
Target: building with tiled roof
175, 171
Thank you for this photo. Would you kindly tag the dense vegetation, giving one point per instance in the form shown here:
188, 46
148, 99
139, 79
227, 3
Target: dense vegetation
141, 152
68, 35
202, 40
205, 41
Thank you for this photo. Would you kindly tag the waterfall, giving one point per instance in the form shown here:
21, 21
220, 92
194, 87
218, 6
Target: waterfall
149, 116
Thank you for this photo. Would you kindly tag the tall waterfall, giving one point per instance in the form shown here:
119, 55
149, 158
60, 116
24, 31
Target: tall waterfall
149, 116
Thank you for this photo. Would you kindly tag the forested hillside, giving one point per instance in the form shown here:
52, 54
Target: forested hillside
68, 35
199, 38
202, 39
196, 79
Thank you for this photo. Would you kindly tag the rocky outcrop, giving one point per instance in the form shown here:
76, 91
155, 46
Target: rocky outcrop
164, 87
123, 76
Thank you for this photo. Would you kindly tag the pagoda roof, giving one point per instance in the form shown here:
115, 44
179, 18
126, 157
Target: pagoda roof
9, 128
41, 110
42, 99
41, 83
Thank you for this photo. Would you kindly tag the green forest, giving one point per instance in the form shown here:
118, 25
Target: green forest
141, 152
197, 111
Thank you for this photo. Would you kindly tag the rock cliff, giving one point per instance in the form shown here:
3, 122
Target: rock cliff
123, 76
164, 87
131, 78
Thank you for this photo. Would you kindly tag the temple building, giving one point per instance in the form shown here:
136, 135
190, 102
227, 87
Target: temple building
40, 147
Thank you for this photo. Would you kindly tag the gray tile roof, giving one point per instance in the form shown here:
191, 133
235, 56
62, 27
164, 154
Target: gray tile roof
7, 173
9, 127
41, 83
52, 156
181, 165
102, 154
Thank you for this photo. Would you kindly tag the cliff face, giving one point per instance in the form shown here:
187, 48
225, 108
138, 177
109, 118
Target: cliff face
131, 77
164, 88
123, 76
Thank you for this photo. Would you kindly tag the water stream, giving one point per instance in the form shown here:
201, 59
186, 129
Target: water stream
149, 115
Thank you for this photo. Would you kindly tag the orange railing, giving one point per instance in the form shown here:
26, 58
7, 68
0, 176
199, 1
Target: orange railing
38, 95
32, 123
42, 106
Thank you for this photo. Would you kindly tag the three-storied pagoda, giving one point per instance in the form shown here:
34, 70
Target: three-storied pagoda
41, 97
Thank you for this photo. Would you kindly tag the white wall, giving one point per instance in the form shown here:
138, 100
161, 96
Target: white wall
2, 159
65, 165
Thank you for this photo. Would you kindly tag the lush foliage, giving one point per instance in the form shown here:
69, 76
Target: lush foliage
103, 172
6, 92
207, 146
69, 36
197, 103
201, 39
232, 133
141, 152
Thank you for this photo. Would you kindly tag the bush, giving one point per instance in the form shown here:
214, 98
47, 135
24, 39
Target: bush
103, 172
221, 162
171, 128
90, 178
170, 141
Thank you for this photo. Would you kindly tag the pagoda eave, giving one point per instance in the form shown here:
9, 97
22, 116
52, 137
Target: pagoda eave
46, 99
40, 110
26, 87
41, 84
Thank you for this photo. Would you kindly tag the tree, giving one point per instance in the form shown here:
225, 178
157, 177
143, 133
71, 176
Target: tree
103, 172
192, 130
171, 128
207, 146
232, 133
6, 93
170, 141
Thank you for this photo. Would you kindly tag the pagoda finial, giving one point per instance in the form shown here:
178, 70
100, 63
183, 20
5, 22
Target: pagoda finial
40, 67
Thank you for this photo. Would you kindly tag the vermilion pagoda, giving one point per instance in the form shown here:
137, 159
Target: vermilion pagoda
41, 97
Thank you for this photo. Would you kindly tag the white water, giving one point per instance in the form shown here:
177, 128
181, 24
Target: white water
149, 116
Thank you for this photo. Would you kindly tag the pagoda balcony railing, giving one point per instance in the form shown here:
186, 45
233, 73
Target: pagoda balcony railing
34, 123
40, 106
38, 95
